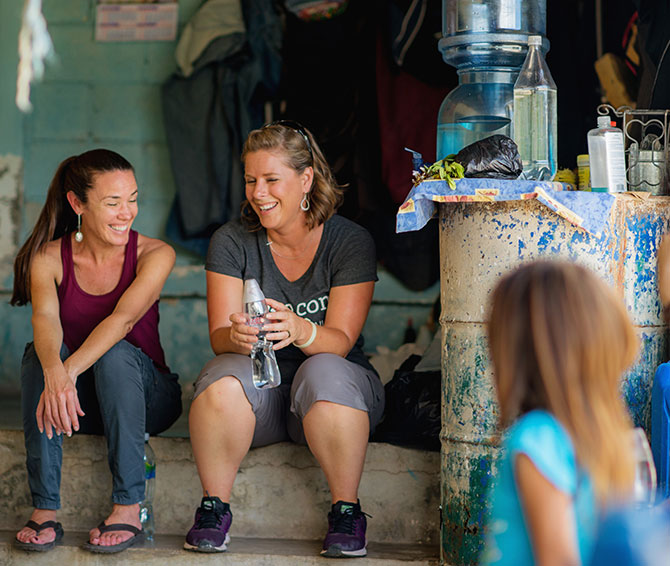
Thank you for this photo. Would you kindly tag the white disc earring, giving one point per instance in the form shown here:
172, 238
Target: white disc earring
304, 203
78, 236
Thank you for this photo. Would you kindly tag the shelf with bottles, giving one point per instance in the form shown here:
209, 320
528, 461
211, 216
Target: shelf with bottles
646, 133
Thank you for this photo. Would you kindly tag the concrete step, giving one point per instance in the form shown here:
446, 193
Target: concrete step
280, 491
167, 550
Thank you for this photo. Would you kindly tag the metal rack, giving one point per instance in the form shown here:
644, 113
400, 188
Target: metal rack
646, 134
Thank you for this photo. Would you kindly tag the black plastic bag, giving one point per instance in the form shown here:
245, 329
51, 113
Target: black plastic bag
495, 157
412, 414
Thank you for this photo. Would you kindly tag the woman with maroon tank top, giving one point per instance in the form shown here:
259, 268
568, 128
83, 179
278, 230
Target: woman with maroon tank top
96, 364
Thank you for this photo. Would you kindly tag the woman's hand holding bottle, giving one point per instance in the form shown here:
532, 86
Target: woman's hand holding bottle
283, 325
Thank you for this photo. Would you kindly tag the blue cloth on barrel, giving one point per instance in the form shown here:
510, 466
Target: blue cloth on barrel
590, 211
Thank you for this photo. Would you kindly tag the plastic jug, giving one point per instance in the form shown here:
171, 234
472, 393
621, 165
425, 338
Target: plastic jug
487, 42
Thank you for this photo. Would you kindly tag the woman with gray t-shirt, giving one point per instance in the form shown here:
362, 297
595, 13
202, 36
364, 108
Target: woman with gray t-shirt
317, 271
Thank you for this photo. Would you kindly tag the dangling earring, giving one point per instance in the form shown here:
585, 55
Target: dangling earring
304, 203
78, 236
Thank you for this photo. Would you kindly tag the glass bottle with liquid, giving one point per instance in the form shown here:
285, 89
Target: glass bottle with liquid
479, 107
535, 115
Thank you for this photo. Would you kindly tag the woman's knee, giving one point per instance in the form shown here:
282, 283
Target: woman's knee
311, 371
120, 365
220, 395
331, 379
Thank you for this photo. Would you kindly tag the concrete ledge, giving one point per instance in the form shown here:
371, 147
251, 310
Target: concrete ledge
279, 493
167, 550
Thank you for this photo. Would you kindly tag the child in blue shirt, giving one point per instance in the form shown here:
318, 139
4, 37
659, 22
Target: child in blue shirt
559, 339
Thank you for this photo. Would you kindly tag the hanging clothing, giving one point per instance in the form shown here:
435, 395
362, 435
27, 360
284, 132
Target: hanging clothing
654, 46
228, 69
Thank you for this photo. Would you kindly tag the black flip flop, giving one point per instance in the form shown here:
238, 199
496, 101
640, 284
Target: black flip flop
138, 536
37, 527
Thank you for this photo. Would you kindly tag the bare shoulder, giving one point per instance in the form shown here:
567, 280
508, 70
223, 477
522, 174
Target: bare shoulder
153, 249
48, 260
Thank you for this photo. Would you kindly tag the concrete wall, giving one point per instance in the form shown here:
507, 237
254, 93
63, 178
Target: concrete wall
107, 95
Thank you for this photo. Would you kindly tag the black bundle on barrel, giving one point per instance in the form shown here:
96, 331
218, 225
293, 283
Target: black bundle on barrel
495, 157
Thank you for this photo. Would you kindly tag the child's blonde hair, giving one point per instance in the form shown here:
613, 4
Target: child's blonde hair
560, 340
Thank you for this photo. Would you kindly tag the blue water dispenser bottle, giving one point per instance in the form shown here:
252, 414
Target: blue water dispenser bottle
487, 41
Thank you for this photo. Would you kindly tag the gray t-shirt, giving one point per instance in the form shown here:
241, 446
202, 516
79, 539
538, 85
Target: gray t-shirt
345, 256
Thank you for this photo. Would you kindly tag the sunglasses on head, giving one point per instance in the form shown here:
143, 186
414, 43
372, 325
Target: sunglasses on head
296, 127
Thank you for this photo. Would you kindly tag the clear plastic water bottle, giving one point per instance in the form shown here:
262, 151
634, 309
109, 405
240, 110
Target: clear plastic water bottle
607, 158
146, 507
265, 369
535, 115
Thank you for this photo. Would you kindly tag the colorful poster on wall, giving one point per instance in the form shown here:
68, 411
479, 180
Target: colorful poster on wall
135, 20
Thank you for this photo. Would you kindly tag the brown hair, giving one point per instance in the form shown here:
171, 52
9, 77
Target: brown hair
560, 339
325, 195
76, 174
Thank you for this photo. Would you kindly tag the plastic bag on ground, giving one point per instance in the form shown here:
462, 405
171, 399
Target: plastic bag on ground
412, 413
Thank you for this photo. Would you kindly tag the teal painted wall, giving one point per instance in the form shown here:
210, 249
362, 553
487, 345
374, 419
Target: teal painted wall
107, 95
99, 94
11, 138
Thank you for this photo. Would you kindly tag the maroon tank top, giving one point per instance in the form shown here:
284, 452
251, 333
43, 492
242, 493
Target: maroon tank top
81, 312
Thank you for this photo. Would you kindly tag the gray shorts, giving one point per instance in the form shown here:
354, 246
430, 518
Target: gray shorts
322, 377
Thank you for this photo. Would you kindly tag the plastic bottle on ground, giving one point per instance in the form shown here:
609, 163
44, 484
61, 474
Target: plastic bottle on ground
146, 507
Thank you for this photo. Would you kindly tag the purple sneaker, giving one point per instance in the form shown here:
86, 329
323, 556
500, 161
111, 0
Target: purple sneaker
209, 532
346, 531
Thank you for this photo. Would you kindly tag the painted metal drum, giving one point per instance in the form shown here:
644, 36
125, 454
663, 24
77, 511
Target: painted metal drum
479, 242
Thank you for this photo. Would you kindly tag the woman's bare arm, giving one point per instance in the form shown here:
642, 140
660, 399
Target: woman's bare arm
549, 514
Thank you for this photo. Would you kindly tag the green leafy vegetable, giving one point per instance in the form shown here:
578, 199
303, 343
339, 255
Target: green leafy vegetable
447, 169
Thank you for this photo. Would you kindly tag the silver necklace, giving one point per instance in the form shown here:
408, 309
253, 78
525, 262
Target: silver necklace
304, 250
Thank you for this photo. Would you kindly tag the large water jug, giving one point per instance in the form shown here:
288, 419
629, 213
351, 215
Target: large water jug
487, 41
